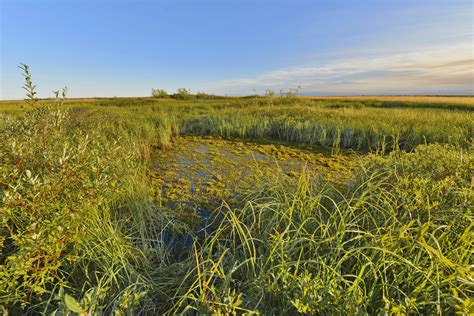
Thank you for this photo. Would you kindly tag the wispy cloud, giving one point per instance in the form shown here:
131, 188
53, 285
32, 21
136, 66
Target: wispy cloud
438, 69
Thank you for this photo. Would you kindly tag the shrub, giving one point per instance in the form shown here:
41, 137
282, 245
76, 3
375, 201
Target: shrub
204, 96
159, 93
182, 94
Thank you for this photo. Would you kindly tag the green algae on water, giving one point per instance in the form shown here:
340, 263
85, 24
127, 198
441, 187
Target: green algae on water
201, 172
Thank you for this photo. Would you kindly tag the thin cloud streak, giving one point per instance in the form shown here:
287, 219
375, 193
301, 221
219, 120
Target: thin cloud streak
435, 70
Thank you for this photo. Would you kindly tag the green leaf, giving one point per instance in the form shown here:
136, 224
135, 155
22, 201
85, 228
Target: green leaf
57, 312
73, 305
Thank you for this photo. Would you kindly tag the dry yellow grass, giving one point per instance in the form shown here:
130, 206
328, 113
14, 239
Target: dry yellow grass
462, 100
407, 98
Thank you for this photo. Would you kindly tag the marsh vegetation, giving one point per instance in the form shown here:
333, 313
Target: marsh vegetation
259, 205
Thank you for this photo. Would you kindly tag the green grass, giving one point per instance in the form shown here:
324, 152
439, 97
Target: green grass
361, 129
80, 229
355, 124
307, 247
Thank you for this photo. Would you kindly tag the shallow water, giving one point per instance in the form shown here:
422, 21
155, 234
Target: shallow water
201, 172
198, 174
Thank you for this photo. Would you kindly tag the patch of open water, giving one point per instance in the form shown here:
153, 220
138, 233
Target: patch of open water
198, 173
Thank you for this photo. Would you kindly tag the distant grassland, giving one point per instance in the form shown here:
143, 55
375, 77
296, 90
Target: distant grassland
452, 102
468, 100
415, 101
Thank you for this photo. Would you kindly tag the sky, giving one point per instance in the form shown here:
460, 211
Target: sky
228, 47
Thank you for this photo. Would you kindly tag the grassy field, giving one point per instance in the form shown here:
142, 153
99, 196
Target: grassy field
449, 101
259, 205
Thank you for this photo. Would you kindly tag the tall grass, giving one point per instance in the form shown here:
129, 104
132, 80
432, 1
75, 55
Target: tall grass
361, 129
398, 240
79, 231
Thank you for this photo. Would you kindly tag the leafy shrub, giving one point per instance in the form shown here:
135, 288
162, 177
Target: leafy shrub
203, 96
182, 94
56, 185
159, 93
65, 197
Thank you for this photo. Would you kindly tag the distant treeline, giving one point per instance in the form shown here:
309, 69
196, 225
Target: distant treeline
182, 94
185, 94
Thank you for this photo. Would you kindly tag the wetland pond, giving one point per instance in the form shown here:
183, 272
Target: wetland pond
198, 174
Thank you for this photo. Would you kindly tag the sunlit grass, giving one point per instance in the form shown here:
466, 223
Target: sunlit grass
81, 230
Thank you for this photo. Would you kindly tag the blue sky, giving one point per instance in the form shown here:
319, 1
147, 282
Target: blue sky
125, 48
